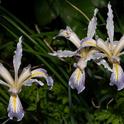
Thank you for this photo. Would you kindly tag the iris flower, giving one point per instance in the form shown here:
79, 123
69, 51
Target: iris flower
112, 50
26, 78
77, 79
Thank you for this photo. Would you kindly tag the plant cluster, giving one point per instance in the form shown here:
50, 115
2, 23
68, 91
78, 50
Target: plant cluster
96, 62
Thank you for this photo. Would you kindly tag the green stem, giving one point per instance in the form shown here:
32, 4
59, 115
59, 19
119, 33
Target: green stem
78, 10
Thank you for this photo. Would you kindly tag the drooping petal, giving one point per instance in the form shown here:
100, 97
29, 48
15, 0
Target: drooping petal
42, 73
119, 46
15, 108
26, 73
30, 81
39, 72
17, 57
88, 42
117, 77
105, 64
4, 73
92, 25
64, 53
70, 35
77, 80
103, 46
110, 24
49, 81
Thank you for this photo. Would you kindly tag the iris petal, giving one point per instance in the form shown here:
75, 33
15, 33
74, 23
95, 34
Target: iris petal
103, 46
110, 24
29, 82
119, 46
17, 57
4, 73
92, 25
15, 108
39, 72
77, 80
42, 73
117, 77
88, 42
70, 35
26, 73
4, 83
105, 64
64, 53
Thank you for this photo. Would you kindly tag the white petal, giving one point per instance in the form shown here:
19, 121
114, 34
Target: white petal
64, 53
88, 42
39, 72
120, 54
17, 57
77, 80
15, 108
42, 73
110, 23
97, 55
92, 25
105, 64
30, 81
117, 77
50, 82
4, 83
103, 46
70, 35
26, 73
119, 47
4, 73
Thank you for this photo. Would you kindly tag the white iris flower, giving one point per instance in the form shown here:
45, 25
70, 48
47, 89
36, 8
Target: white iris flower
111, 50
26, 78
77, 79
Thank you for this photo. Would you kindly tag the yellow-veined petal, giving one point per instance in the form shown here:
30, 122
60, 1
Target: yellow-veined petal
42, 73
77, 80
88, 42
15, 108
117, 77
39, 72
